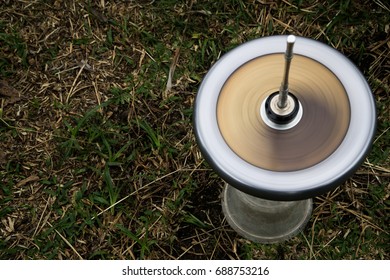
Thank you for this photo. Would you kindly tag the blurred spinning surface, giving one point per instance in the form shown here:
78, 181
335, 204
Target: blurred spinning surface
325, 120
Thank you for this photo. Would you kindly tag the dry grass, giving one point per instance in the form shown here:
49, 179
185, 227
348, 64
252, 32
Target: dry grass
97, 153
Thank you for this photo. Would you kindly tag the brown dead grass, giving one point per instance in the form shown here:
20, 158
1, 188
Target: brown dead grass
77, 53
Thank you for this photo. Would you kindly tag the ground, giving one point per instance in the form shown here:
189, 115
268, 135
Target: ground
98, 158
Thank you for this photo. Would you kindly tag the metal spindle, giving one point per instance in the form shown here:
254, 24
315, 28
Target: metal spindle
283, 91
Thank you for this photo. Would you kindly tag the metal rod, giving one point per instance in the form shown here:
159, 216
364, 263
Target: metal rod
283, 91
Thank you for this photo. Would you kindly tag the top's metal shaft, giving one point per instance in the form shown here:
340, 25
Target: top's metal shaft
283, 91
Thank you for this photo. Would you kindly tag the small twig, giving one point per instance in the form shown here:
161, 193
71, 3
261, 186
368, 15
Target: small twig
40, 219
381, 135
98, 97
312, 255
216, 245
172, 71
165, 252
74, 83
185, 251
27, 180
363, 218
380, 4
66, 241
376, 167
310, 246
330, 241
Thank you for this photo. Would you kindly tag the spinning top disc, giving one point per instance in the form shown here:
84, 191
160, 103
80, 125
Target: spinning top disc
319, 152
319, 132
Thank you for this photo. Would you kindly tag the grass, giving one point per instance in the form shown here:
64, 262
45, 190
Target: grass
98, 159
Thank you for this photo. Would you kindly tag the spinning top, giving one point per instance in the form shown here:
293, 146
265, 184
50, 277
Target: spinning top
282, 119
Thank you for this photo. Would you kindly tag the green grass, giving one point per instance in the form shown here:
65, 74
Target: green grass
14, 45
100, 162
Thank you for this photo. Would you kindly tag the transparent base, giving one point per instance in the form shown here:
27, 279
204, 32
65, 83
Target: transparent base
264, 221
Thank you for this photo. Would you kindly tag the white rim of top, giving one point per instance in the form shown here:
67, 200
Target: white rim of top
298, 184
